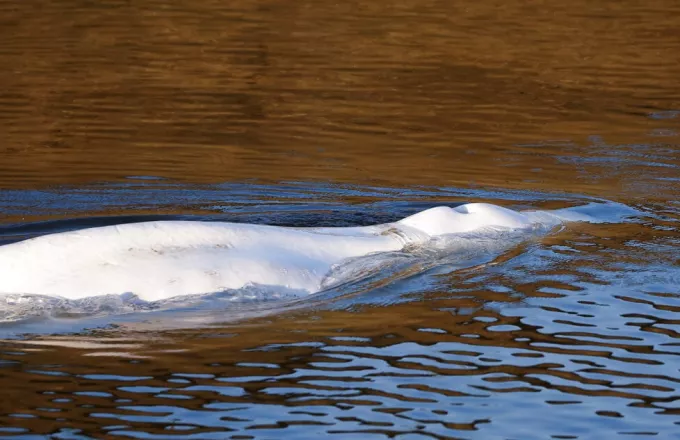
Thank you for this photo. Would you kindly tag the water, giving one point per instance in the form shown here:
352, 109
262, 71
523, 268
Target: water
578, 327
338, 114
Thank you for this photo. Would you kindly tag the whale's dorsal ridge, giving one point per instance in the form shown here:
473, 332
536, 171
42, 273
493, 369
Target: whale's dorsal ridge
464, 218
434, 221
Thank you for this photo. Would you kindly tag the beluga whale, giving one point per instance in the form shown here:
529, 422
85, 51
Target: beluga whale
158, 260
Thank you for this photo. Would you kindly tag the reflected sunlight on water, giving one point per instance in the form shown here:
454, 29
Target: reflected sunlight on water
408, 93
117, 112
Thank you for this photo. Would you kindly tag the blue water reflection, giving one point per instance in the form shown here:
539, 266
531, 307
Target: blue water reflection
573, 334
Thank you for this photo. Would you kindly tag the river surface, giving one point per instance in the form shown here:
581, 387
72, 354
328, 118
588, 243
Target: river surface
339, 114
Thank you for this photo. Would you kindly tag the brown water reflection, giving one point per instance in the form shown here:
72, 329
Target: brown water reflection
572, 336
434, 92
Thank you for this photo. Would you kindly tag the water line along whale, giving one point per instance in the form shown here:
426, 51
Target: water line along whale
163, 259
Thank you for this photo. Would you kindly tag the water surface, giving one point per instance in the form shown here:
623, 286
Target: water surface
337, 114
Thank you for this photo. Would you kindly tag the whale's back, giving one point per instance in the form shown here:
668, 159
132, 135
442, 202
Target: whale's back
465, 218
158, 260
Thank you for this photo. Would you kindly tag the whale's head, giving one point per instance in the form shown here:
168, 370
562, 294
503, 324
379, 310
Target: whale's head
465, 218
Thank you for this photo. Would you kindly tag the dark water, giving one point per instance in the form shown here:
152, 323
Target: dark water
336, 114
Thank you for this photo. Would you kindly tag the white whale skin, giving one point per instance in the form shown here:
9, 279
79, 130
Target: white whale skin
162, 259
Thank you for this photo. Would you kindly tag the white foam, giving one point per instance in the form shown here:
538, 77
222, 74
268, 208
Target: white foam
164, 259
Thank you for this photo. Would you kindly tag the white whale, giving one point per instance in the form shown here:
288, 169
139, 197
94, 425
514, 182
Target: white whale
162, 259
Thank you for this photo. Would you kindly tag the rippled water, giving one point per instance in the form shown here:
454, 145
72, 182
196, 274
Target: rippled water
573, 334
351, 113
